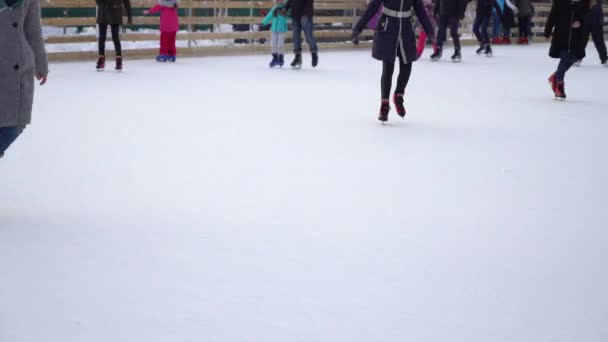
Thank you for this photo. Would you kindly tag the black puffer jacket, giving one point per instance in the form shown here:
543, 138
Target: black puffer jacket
451, 8
559, 25
395, 35
484, 7
110, 12
301, 8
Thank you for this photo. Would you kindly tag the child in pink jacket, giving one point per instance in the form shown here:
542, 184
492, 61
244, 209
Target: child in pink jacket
169, 25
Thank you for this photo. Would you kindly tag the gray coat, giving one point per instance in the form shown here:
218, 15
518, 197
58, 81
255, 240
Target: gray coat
22, 56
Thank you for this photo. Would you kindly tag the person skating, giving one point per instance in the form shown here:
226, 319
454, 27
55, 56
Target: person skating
483, 13
450, 14
565, 26
594, 26
22, 58
394, 38
302, 13
524, 18
429, 6
110, 13
278, 30
169, 25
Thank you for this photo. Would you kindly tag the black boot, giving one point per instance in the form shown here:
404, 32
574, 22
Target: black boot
481, 49
297, 62
456, 57
315, 59
119, 64
437, 54
275, 60
281, 61
488, 51
384, 109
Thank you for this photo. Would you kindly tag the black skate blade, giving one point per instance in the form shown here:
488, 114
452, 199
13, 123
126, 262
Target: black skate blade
100, 70
560, 99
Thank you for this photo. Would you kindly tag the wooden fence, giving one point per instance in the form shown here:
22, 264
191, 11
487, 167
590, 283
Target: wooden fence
201, 27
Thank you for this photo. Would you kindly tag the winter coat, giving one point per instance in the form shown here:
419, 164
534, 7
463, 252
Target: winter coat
597, 14
484, 7
395, 35
169, 17
279, 21
110, 12
22, 56
452, 8
559, 25
301, 8
524, 8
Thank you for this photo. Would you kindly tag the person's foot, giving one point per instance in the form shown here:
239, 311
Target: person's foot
605, 62
488, 50
315, 59
506, 41
118, 64
172, 59
384, 109
560, 91
398, 101
281, 61
497, 41
161, 58
297, 61
479, 51
456, 57
578, 62
437, 54
101, 63
552, 82
275, 60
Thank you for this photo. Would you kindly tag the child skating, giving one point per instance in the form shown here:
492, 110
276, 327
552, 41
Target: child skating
565, 26
483, 13
278, 18
169, 25
110, 13
394, 38
450, 14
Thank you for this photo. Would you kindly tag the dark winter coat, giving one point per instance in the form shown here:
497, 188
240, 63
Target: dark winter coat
597, 13
524, 8
559, 25
301, 8
110, 12
484, 7
452, 8
22, 56
395, 35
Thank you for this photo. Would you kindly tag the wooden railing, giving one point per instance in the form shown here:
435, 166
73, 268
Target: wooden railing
201, 23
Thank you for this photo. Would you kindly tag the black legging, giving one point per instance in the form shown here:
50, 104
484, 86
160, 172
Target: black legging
405, 70
103, 29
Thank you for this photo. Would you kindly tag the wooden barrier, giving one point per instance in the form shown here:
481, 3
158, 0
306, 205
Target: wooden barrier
201, 19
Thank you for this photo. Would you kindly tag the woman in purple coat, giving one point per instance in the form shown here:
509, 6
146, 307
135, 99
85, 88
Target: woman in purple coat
394, 38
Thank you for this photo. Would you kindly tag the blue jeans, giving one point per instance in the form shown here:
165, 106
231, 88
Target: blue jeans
7, 136
306, 24
497, 25
567, 59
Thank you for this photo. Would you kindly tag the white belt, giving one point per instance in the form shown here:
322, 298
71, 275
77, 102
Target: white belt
396, 14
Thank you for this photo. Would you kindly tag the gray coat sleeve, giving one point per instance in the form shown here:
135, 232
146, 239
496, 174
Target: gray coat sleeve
33, 34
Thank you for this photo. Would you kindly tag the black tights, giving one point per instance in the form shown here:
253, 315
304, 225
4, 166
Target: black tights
103, 29
405, 70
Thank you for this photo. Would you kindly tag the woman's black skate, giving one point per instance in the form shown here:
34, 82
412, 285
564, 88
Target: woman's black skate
488, 50
456, 57
384, 109
437, 54
297, 62
481, 49
315, 59
398, 101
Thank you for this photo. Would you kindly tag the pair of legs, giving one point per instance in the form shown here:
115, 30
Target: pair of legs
497, 26
277, 43
167, 44
303, 24
596, 30
103, 32
388, 68
444, 24
480, 28
524, 27
7, 136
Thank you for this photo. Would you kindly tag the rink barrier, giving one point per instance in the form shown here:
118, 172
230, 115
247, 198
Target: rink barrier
332, 30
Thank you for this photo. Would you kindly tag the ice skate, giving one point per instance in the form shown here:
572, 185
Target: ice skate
118, 67
384, 109
101, 63
488, 50
399, 107
297, 62
456, 57
315, 59
437, 54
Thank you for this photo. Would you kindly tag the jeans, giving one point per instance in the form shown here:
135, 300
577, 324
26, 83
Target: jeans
480, 28
497, 25
444, 23
306, 24
7, 136
567, 59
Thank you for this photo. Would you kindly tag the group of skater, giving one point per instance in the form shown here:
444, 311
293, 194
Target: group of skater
568, 26
570, 23
110, 14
